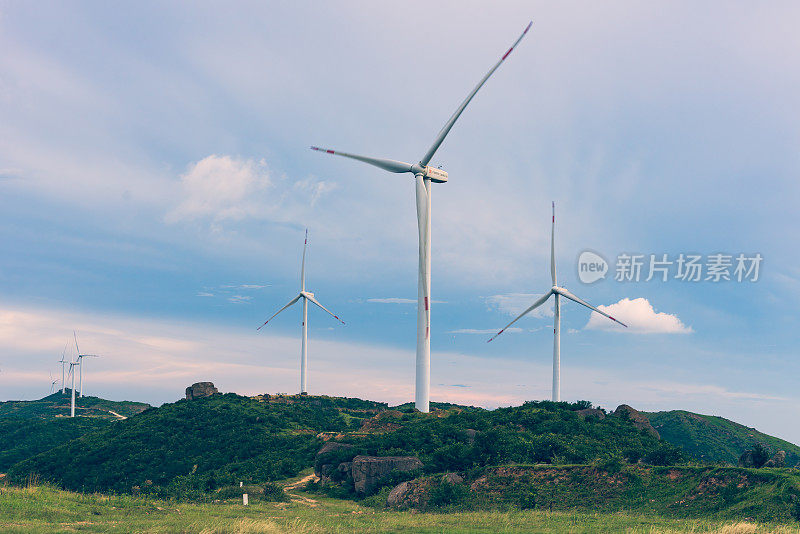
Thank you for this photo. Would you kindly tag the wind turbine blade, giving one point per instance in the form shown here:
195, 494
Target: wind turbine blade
277, 312
303, 265
553, 247
385, 164
582, 302
535, 305
76, 342
449, 124
312, 299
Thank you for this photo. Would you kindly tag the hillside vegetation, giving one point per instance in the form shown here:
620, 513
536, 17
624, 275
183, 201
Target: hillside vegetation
188, 448
715, 439
58, 405
22, 438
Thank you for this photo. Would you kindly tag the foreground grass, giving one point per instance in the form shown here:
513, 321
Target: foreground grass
44, 509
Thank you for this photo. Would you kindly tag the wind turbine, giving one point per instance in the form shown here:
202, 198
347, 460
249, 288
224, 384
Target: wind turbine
80, 360
52, 383
72, 388
557, 292
62, 361
306, 296
424, 174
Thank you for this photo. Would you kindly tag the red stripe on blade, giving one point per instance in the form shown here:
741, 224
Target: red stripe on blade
506, 54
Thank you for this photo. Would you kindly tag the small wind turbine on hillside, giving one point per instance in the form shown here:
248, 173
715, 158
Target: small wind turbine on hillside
80, 361
52, 383
63, 363
424, 175
307, 297
557, 292
72, 366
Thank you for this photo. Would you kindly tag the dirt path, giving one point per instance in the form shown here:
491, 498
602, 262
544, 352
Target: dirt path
112, 412
297, 484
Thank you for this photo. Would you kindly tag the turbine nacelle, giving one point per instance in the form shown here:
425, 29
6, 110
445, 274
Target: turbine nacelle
307, 294
433, 174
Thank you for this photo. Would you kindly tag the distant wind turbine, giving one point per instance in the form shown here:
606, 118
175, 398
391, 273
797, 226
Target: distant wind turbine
63, 362
557, 292
424, 174
72, 388
80, 361
306, 296
52, 383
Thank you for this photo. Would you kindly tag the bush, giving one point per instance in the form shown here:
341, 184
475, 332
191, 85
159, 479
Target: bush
447, 495
274, 493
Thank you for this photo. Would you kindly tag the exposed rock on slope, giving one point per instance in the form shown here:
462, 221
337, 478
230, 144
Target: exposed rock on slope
368, 470
639, 420
200, 389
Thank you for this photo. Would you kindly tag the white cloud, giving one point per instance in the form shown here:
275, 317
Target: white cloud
315, 188
205, 294
515, 303
240, 299
487, 331
221, 187
640, 317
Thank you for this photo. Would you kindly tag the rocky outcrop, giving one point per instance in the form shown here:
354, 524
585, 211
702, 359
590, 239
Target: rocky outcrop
778, 460
332, 446
326, 463
200, 389
594, 412
639, 421
368, 470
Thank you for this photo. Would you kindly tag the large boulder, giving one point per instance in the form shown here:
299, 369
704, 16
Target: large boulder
368, 470
639, 421
778, 460
200, 389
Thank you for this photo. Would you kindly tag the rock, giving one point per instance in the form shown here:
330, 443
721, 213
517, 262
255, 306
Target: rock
200, 389
368, 470
778, 460
639, 421
332, 446
398, 494
452, 478
594, 412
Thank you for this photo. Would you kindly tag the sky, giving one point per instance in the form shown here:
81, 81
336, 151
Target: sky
156, 182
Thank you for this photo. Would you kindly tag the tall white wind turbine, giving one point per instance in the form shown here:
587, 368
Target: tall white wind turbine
307, 297
424, 174
80, 361
52, 383
557, 292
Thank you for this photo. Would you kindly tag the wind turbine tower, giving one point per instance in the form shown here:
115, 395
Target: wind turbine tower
424, 175
556, 292
80, 361
307, 297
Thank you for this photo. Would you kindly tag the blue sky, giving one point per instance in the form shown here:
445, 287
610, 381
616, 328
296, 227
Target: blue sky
155, 182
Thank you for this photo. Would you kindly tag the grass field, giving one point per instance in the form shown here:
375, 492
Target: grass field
43, 509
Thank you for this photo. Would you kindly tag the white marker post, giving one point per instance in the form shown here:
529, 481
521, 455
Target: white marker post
244, 499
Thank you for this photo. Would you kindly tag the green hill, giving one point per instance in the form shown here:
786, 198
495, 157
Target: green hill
190, 447
58, 405
715, 439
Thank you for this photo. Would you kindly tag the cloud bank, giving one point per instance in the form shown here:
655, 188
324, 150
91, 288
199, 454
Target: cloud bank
640, 316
